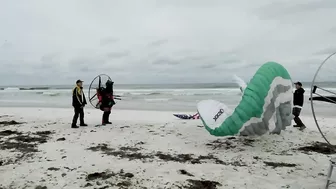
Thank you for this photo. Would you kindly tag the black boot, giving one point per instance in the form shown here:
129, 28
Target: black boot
107, 118
74, 121
104, 120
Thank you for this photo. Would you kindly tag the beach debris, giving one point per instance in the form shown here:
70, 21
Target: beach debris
319, 147
279, 164
127, 148
133, 153
99, 175
140, 143
129, 175
9, 132
88, 185
41, 187
109, 178
12, 122
44, 133
53, 169
201, 184
230, 143
184, 172
29, 139
256, 157
61, 139
70, 169
24, 143
125, 152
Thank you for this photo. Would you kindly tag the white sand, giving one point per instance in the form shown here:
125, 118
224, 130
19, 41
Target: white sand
152, 132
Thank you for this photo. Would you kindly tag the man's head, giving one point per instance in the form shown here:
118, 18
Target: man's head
79, 83
298, 85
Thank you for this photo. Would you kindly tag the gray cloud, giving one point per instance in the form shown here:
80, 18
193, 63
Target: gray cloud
281, 8
158, 43
5, 45
208, 66
332, 30
112, 55
108, 41
162, 41
166, 61
326, 51
48, 59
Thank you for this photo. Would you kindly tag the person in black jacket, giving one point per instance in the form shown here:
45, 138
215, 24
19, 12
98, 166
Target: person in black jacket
106, 101
78, 102
298, 99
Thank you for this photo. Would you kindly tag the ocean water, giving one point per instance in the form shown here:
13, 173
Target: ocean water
179, 97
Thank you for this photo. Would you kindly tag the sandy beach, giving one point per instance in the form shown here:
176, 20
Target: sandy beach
152, 149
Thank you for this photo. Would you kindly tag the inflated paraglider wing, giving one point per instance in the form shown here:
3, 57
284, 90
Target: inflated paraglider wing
266, 106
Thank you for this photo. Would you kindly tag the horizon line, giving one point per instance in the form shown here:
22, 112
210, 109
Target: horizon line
18, 85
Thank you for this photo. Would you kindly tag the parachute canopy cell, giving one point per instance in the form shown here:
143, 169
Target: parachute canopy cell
265, 106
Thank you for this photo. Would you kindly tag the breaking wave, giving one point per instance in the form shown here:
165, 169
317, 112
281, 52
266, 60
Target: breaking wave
49, 93
11, 89
157, 99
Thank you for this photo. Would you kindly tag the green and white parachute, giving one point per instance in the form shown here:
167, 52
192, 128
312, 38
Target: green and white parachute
265, 106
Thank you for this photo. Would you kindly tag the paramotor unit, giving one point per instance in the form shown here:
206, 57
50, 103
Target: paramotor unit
97, 83
316, 96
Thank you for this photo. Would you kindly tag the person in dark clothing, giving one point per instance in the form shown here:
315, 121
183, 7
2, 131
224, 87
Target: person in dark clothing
298, 99
78, 102
106, 101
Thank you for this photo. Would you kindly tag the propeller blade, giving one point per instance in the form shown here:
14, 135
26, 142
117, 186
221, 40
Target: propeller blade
99, 84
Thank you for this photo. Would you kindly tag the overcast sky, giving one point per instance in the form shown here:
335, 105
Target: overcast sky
161, 41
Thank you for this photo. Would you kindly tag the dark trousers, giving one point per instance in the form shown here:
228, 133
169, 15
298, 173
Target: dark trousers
106, 116
296, 112
78, 112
